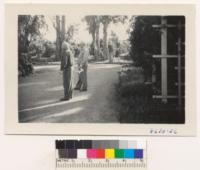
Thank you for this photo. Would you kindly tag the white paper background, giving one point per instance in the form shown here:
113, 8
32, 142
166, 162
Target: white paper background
19, 152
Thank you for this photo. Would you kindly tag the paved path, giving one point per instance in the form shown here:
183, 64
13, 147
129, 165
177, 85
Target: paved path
39, 96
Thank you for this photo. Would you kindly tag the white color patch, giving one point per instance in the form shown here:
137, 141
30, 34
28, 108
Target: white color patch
81, 153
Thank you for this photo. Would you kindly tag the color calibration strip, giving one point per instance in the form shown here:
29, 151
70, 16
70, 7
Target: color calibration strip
117, 154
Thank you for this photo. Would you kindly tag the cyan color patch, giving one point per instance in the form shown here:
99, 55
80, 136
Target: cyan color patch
129, 153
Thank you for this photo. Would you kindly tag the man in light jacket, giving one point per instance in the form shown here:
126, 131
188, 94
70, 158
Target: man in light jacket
82, 67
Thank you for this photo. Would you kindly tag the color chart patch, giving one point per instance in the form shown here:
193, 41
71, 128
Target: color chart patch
100, 154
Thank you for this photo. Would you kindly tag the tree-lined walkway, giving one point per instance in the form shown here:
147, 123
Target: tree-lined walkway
39, 96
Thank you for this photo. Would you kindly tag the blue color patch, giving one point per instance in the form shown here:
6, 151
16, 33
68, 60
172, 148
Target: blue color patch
138, 153
129, 153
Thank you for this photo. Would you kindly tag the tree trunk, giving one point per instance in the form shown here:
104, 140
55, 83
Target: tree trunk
93, 43
105, 43
97, 42
63, 29
58, 38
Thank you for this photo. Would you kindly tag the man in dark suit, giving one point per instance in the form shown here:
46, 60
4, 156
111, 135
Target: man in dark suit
67, 68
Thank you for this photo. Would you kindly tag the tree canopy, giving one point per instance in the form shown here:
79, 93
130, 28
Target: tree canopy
29, 28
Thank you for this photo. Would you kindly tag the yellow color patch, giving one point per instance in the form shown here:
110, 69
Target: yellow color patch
109, 153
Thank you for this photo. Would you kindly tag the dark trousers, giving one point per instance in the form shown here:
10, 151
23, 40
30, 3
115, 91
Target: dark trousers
82, 82
67, 83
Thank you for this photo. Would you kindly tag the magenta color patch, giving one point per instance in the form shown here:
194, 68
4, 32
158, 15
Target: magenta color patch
91, 153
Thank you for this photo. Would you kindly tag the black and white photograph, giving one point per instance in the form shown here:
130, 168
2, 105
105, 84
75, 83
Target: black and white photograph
73, 69
101, 69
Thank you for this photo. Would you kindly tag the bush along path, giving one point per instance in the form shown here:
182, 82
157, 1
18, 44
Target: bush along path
135, 103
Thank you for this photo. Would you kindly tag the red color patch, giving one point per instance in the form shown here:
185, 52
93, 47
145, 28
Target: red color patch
100, 153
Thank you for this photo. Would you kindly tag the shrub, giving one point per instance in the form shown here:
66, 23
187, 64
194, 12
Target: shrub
134, 104
135, 90
50, 49
145, 41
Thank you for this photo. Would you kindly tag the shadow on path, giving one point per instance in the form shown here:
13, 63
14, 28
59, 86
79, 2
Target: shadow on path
39, 97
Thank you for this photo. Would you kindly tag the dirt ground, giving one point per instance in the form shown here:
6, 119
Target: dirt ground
39, 96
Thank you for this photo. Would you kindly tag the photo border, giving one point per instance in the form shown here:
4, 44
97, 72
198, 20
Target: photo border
11, 74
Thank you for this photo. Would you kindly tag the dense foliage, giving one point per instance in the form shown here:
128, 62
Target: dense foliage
29, 40
145, 41
29, 28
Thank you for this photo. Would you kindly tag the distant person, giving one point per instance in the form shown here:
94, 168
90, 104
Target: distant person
67, 68
76, 51
117, 52
82, 68
111, 51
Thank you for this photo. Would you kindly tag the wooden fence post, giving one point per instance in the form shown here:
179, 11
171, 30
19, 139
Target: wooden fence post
164, 56
164, 60
179, 43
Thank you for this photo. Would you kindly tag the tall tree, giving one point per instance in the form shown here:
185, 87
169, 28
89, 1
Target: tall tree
114, 38
60, 34
93, 22
28, 28
106, 20
29, 34
63, 30
97, 37
58, 37
71, 30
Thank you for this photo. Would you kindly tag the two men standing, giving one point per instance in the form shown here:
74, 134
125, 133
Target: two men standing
67, 61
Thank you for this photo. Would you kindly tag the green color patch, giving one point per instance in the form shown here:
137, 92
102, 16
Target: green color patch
119, 153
